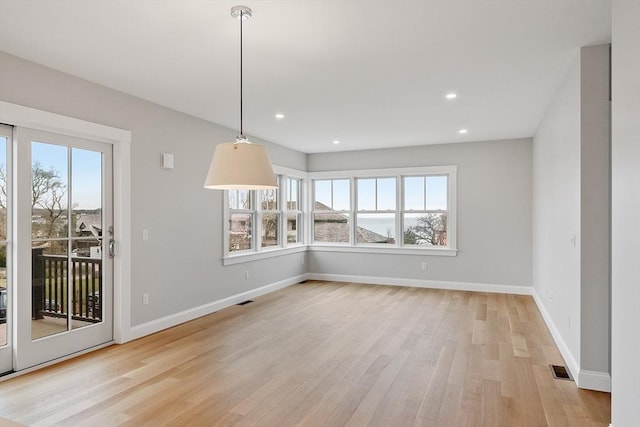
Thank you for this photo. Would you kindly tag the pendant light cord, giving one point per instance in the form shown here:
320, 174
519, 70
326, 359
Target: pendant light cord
242, 137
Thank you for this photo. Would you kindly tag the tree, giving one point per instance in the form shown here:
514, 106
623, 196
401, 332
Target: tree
431, 230
48, 194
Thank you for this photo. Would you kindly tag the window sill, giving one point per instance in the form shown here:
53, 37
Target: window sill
391, 250
264, 254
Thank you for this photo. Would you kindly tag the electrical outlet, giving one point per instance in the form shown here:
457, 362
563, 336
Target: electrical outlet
424, 265
145, 299
246, 275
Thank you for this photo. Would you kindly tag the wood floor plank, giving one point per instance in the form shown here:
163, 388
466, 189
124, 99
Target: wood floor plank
322, 354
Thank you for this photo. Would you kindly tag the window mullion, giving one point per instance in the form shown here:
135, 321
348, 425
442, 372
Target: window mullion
352, 213
399, 211
283, 202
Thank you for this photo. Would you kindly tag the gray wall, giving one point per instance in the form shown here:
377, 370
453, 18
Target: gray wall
180, 265
595, 208
625, 250
494, 214
571, 203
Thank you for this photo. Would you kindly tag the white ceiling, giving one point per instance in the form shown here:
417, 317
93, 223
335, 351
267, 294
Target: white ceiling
371, 74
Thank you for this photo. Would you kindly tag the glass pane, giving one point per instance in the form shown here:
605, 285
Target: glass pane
428, 229
4, 298
3, 188
49, 191
375, 228
414, 193
294, 222
436, 193
322, 192
270, 229
269, 200
341, 195
86, 282
366, 194
239, 199
48, 288
240, 229
86, 193
332, 228
386, 194
292, 199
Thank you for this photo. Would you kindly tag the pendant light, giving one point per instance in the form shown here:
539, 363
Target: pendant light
240, 165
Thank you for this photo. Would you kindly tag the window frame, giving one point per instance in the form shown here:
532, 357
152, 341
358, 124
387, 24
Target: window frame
257, 251
399, 247
332, 211
252, 212
277, 211
299, 212
358, 211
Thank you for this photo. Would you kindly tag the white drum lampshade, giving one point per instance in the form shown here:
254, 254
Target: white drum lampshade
240, 166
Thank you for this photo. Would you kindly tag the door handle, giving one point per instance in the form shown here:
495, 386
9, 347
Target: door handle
112, 252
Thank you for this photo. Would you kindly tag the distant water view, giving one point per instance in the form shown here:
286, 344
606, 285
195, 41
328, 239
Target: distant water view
385, 226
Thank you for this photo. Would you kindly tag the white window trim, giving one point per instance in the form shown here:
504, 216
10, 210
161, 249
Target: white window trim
307, 243
399, 173
301, 235
258, 252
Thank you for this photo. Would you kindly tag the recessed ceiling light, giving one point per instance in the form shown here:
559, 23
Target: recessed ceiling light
336, 142
462, 131
451, 95
279, 116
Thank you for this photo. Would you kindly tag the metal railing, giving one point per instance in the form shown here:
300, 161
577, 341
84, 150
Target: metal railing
53, 298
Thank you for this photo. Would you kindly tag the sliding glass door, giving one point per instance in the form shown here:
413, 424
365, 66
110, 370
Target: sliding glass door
65, 235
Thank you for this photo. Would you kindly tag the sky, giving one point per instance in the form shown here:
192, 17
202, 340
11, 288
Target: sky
420, 193
86, 170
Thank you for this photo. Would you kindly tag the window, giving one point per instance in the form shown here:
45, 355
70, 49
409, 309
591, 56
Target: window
331, 210
294, 211
424, 216
270, 215
410, 209
376, 214
259, 222
241, 220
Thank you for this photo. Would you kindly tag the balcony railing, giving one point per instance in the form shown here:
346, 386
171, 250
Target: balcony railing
50, 292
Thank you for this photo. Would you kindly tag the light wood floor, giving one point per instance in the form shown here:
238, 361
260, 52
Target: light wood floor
323, 354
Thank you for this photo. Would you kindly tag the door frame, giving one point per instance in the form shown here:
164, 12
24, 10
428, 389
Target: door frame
120, 139
7, 352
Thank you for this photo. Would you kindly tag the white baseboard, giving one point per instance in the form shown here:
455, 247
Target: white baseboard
430, 284
139, 331
591, 380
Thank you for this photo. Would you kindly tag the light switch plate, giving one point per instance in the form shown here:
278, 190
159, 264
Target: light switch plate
167, 161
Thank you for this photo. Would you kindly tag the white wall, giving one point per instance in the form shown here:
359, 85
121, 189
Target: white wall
625, 308
180, 265
494, 214
571, 217
556, 210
